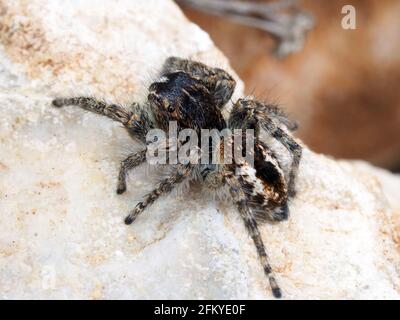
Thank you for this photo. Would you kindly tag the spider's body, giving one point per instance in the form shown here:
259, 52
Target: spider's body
193, 95
182, 98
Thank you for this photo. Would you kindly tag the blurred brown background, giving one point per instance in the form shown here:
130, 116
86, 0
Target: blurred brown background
343, 87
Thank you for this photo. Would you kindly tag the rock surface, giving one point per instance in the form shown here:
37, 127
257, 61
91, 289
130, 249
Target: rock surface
61, 229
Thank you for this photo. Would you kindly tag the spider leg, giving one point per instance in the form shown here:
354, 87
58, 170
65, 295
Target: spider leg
165, 186
129, 163
112, 111
137, 122
250, 222
218, 81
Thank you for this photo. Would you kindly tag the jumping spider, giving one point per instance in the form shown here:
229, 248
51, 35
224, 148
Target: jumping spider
193, 95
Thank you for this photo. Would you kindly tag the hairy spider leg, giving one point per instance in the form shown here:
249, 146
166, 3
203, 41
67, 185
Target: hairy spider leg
250, 222
179, 173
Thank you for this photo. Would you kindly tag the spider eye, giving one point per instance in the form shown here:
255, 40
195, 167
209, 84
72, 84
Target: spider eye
168, 105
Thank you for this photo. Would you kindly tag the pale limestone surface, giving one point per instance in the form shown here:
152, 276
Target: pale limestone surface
61, 222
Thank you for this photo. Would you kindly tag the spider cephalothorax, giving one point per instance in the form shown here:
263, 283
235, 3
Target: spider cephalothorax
193, 95
177, 96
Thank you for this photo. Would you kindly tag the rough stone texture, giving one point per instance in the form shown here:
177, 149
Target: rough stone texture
61, 229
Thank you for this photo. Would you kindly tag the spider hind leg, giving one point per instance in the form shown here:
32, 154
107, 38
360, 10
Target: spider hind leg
240, 198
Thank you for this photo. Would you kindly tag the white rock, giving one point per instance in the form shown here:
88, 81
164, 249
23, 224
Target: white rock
61, 223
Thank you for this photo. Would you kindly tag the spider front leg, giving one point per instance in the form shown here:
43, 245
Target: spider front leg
129, 163
137, 121
112, 111
180, 173
218, 81
240, 199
